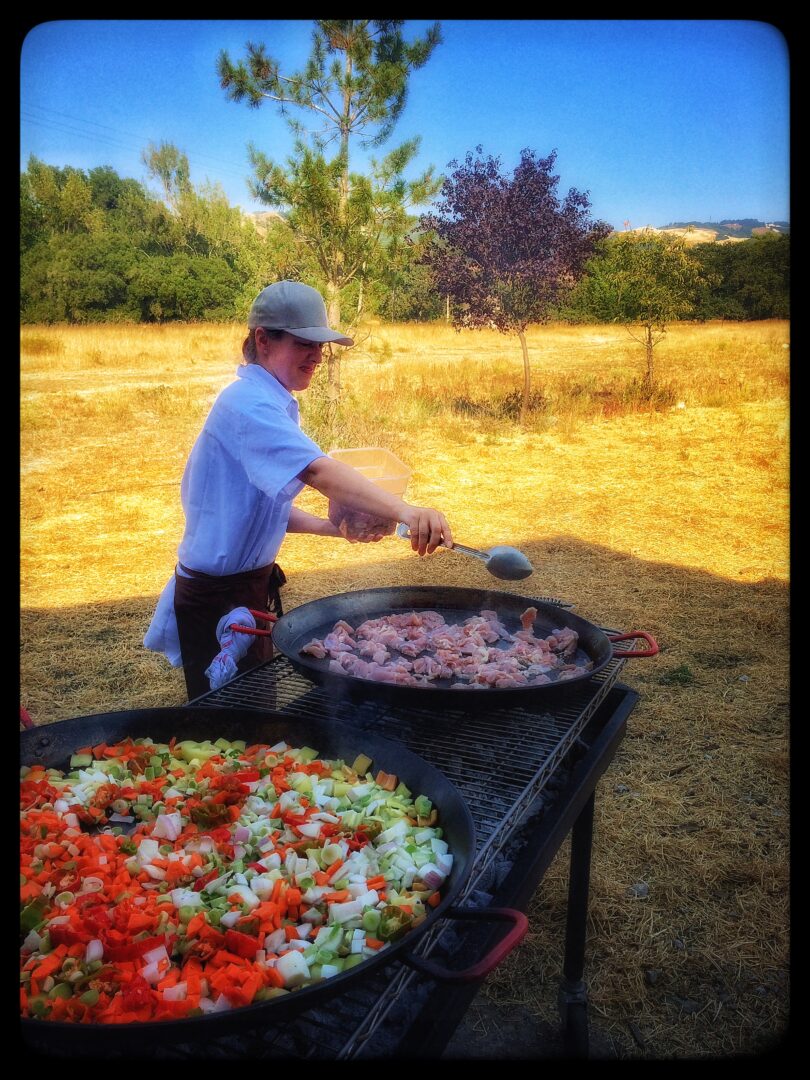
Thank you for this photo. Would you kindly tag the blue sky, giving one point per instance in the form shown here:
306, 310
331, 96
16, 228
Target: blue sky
660, 120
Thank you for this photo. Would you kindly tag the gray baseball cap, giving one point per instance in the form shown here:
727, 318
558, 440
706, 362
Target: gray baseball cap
299, 309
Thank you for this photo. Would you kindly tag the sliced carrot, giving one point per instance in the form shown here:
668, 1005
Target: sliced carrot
333, 869
273, 977
250, 986
195, 924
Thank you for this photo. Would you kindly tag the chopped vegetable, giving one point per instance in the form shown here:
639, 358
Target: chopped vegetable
250, 872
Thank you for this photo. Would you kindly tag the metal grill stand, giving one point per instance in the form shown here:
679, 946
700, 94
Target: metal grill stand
529, 779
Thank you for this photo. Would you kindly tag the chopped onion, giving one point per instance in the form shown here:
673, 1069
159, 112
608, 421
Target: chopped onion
176, 992
431, 875
94, 951
444, 861
241, 834
61, 805
275, 940
168, 826
185, 898
230, 919
311, 830
147, 850
33, 940
158, 953
152, 974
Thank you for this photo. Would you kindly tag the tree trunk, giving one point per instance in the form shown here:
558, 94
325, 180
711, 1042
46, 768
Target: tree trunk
447, 310
524, 408
649, 347
333, 364
333, 286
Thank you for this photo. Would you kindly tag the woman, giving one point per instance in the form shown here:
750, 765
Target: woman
249, 462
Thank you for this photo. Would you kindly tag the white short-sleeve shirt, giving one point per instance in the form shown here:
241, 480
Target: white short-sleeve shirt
238, 488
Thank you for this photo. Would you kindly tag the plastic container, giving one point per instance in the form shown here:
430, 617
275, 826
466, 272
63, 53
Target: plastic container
381, 466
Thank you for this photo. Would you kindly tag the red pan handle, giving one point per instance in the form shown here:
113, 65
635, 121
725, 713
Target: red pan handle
25, 718
652, 651
265, 615
520, 927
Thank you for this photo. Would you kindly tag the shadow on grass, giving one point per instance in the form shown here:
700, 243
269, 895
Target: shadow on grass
712, 630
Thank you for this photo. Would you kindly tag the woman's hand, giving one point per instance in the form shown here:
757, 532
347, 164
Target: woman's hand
360, 528
428, 528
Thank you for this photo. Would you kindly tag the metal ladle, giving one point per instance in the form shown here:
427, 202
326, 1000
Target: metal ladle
506, 563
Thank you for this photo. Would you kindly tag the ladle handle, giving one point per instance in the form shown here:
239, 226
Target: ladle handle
405, 533
470, 551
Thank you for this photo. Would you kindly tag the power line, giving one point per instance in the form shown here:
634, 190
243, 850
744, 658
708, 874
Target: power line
118, 131
100, 137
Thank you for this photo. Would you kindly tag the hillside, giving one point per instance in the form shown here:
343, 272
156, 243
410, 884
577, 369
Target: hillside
727, 231
729, 228
263, 219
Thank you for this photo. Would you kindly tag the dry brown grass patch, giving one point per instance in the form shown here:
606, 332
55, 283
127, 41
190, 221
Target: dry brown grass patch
672, 520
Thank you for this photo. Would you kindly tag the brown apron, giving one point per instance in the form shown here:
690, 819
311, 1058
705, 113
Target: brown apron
201, 600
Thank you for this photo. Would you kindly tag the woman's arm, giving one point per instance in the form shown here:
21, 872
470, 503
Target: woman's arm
343, 484
302, 522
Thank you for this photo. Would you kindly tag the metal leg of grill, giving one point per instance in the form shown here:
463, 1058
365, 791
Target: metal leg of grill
572, 998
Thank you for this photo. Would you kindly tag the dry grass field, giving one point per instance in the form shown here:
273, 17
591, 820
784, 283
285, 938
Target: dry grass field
667, 513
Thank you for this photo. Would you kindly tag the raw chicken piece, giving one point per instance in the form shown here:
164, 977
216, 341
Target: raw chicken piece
418, 647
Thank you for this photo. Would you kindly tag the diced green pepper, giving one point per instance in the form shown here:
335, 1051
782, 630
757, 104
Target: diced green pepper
39, 1006
361, 764
32, 914
394, 923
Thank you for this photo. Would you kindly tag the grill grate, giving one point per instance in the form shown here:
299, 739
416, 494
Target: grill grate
507, 759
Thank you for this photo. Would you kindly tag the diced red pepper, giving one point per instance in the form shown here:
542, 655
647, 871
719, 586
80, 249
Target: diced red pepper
136, 993
201, 882
241, 944
122, 953
62, 934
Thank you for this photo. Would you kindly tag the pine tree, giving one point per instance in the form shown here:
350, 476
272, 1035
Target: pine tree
354, 85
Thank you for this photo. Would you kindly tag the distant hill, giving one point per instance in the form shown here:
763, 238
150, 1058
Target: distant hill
739, 229
726, 231
729, 229
263, 219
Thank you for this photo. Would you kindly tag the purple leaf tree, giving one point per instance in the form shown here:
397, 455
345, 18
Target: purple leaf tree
505, 249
